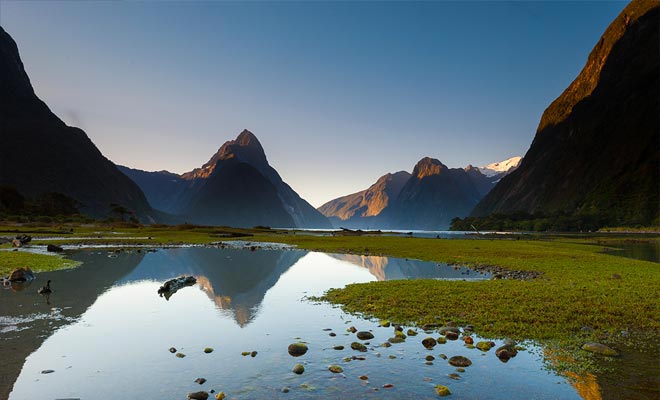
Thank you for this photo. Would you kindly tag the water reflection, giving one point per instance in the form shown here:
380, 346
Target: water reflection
385, 268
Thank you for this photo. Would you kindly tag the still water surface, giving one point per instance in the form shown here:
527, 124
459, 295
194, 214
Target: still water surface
106, 332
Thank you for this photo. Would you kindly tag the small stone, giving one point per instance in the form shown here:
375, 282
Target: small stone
410, 332
398, 327
442, 390
285, 390
444, 329
460, 361
504, 353
245, 353
180, 355
385, 323
483, 346
364, 335
172, 350
388, 386
468, 340
461, 370
441, 340
441, 355
352, 329
298, 369
386, 344
253, 354
450, 335
358, 346
338, 347
428, 362
429, 343
429, 358
396, 340
364, 377
599, 348
48, 371
391, 357
332, 334
198, 396
399, 334
207, 350
220, 396
200, 381
335, 369
469, 346
454, 376
297, 349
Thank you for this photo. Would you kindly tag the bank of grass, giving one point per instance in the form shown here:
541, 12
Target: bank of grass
9, 260
583, 294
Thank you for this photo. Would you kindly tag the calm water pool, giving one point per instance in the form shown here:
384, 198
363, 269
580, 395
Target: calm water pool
106, 332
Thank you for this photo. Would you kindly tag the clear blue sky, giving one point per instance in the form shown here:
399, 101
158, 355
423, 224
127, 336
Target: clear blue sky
339, 93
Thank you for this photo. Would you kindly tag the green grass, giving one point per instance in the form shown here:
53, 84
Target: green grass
9, 260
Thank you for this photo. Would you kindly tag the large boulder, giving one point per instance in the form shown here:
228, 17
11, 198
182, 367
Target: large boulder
23, 274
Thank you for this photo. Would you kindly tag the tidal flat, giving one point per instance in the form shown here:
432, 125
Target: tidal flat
582, 292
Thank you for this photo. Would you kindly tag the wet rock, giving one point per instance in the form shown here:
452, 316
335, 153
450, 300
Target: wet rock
454, 376
599, 348
16, 243
298, 369
391, 356
450, 335
364, 335
399, 334
411, 332
358, 358
441, 340
384, 323
398, 328
442, 390
220, 396
200, 380
461, 370
285, 390
54, 248
327, 329
253, 354
468, 340
172, 350
335, 369
207, 350
429, 358
364, 377
429, 343
198, 396
22, 274
504, 353
180, 355
428, 362
358, 346
338, 347
297, 349
469, 346
48, 371
332, 334
396, 339
444, 329
460, 361
388, 386
441, 355
386, 344
484, 346
352, 329
245, 353
173, 285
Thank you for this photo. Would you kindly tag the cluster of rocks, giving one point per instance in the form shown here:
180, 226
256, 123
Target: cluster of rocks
504, 273
18, 275
21, 240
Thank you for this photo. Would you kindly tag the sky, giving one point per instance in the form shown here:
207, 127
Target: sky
338, 93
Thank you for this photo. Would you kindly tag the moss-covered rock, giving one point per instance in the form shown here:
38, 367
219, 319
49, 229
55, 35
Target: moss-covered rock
599, 348
429, 343
298, 369
358, 346
460, 361
335, 369
442, 390
297, 349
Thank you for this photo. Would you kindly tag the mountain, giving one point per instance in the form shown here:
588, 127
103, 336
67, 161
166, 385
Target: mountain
41, 154
236, 187
596, 151
501, 168
428, 199
362, 209
434, 195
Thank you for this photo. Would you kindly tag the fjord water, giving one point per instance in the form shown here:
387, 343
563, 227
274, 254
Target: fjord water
106, 332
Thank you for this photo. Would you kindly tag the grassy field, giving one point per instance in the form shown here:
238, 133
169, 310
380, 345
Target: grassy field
582, 293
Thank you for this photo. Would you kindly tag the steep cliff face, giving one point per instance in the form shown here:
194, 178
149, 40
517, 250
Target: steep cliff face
40, 154
597, 150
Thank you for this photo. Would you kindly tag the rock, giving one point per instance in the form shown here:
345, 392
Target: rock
180, 355
460, 361
451, 335
207, 350
253, 354
442, 390
504, 353
173, 285
16, 243
285, 390
386, 344
338, 347
396, 340
441, 340
48, 371
454, 376
388, 386
399, 334
384, 323
54, 248
352, 329
429, 358
444, 329
220, 396
363, 377
297, 349
428, 362
468, 340
410, 332
332, 334
469, 346
364, 335
200, 380
358, 346
444, 357
358, 358
599, 348
398, 327
298, 369
172, 350
24, 239
461, 370
23, 274
429, 343
198, 396
483, 346
335, 369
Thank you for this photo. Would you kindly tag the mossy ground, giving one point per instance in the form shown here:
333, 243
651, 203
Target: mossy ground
9, 260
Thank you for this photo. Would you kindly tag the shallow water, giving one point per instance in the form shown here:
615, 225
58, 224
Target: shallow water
646, 251
106, 332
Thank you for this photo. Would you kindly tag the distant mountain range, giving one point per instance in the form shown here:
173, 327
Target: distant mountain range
429, 198
41, 154
596, 152
236, 187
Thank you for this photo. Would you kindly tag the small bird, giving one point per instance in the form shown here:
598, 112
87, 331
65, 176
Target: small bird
45, 289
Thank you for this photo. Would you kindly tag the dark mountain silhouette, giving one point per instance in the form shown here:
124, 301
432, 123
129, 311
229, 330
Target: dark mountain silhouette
597, 148
364, 208
41, 154
428, 199
235, 187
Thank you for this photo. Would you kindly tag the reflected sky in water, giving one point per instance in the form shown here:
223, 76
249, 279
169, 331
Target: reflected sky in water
247, 301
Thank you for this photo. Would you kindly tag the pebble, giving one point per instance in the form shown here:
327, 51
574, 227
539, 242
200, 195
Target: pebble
442, 391
364, 377
172, 350
335, 369
388, 386
358, 346
200, 381
198, 396
297, 349
460, 361
364, 335
48, 371
338, 347
207, 350
298, 369
180, 355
